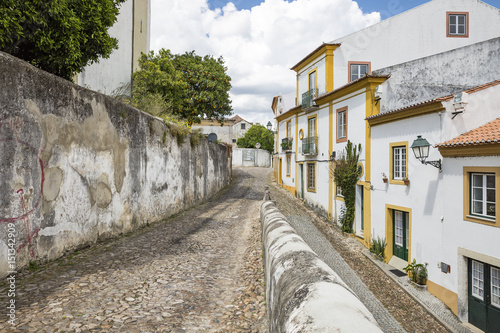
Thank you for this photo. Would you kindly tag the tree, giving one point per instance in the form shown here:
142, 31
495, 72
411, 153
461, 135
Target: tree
58, 36
346, 173
257, 134
194, 87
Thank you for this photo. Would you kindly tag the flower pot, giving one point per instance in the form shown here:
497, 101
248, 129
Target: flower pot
406, 181
385, 180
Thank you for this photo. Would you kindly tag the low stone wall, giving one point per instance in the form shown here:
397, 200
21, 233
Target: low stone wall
303, 293
77, 167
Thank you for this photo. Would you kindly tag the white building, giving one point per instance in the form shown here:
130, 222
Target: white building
384, 111
132, 29
229, 132
446, 219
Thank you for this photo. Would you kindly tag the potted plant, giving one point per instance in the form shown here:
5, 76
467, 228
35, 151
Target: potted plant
417, 272
406, 181
384, 178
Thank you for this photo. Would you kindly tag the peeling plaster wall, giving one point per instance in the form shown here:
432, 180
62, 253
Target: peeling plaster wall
77, 167
303, 293
440, 74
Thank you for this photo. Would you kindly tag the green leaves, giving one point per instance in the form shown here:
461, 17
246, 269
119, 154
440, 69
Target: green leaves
257, 134
346, 173
59, 36
196, 87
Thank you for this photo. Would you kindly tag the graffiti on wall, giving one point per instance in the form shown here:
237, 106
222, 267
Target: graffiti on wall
11, 131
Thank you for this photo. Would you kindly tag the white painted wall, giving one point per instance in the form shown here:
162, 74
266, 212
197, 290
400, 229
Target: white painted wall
110, 74
414, 34
259, 157
303, 77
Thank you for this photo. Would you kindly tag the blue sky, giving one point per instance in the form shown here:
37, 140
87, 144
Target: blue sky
387, 8
261, 40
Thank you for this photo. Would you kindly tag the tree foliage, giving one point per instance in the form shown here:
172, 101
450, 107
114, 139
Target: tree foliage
346, 173
257, 134
58, 36
193, 87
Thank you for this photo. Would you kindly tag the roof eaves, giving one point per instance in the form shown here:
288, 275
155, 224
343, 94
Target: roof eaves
312, 53
366, 77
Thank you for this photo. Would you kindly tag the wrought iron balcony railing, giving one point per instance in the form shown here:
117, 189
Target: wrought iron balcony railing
308, 97
310, 145
286, 144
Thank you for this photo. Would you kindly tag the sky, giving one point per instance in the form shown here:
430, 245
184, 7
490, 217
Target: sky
260, 40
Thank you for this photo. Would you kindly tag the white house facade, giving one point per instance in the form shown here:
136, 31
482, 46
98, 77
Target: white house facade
432, 217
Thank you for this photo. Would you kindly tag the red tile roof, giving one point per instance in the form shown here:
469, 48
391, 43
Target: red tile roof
486, 134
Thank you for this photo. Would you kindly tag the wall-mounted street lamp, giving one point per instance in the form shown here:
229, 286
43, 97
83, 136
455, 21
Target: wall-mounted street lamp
420, 148
269, 125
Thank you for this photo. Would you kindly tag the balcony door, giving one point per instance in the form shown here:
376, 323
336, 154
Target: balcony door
312, 83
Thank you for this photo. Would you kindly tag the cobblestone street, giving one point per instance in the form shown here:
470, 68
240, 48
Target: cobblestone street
200, 271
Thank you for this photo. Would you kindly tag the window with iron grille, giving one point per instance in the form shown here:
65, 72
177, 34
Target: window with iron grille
311, 176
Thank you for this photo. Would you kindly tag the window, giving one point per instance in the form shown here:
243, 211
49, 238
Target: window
358, 70
483, 195
311, 177
234, 140
243, 126
457, 24
342, 125
480, 195
288, 128
477, 279
288, 165
495, 286
399, 162
339, 191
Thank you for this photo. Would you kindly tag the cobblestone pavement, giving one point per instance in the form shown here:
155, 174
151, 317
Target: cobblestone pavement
200, 271
392, 307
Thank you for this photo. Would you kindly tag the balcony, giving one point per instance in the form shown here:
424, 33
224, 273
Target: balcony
310, 145
308, 97
286, 144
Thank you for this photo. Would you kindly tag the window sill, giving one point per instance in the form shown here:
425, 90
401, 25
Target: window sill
396, 182
311, 190
339, 198
481, 220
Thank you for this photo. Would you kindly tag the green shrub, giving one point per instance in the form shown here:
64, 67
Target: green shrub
378, 247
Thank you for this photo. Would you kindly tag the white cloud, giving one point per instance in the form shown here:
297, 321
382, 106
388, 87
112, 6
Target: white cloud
258, 45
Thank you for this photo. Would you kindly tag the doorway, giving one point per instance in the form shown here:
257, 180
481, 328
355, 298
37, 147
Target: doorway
484, 295
360, 223
301, 181
401, 230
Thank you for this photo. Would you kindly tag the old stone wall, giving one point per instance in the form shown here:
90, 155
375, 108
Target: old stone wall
303, 293
77, 167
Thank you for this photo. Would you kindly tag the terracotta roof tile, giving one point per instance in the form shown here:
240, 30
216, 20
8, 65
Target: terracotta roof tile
486, 134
